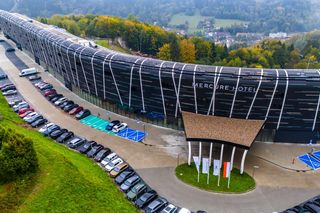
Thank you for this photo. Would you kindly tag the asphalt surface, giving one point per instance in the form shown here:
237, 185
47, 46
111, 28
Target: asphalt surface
277, 188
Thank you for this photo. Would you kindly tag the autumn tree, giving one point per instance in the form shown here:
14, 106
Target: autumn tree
164, 52
187, 51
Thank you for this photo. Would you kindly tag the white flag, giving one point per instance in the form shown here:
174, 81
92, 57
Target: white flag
216, 167
205, 165
196, 161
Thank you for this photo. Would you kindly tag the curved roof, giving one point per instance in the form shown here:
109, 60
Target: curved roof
239, 132
64, 40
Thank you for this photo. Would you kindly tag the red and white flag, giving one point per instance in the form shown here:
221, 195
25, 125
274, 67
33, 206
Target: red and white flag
226, 169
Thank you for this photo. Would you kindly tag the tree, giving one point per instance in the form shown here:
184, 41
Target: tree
187, 51
174, 47
164, 52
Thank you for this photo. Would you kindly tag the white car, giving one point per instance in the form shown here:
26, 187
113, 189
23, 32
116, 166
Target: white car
109, 158
184, 210
19, 104
110, 166
10, 92
170, 209
45, 127
32, 114
58, 102
119, 127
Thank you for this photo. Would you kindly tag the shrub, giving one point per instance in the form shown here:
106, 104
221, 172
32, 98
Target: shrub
17, 155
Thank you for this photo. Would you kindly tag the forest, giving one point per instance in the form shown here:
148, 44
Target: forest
153, 41
264, 16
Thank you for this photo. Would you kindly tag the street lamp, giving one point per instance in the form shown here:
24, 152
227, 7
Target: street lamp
253, 170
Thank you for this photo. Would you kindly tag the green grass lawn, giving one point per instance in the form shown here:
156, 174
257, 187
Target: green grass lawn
238, 183
195, 19
106, 44
66, 181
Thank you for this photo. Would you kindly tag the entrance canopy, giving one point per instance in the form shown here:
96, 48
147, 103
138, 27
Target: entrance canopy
239, 132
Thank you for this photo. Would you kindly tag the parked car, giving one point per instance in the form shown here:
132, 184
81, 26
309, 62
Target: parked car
102, 154
60, 101
30, 115
157, 205
3, 76
120, 127
39, 84
65, 104
110, 166
23, 110
6, 85
130, 182
136, 191
76, 110
19, 106
9, 92
50, 92
39, 122
311, 207
76, 142
34, 118
47, 129
10, 49
34, 77
145, 199
112, 124
170, 209
184, 210
45, 87
86, 147
118, 169
64, 137
7, 88
124, 176
25, 114
57, 133
54, 97
70, 107
14, 102
92, 153
109, 158
82, 114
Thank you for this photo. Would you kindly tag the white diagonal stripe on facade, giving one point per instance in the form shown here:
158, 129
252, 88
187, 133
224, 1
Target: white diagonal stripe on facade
255, 95
284, 98
130, 84
235, 93
274, 92
160, 83
317, 110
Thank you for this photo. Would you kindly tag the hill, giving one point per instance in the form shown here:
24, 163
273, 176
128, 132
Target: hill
262, 15
66, 181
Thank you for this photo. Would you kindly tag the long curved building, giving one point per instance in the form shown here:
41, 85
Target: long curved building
160, 90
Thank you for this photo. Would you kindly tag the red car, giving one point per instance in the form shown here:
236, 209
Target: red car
50, 92
25, 114
24, 110
76, 110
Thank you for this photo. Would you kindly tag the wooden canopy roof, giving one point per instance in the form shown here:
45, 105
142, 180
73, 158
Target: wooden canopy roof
239, 132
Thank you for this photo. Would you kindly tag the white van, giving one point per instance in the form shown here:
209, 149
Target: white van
26, 72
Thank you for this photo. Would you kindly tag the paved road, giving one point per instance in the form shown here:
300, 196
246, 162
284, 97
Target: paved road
276, 189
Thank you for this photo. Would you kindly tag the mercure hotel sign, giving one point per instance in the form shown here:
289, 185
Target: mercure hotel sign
224, 87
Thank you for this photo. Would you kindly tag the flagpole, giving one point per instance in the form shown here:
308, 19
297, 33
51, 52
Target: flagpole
210, 156
200, 149
231, 165
221, 153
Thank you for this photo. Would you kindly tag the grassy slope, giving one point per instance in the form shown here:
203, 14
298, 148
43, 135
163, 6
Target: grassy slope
238, 183
105, 43
66, 181
194, 20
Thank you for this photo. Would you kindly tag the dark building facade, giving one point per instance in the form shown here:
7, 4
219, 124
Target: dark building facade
159, 90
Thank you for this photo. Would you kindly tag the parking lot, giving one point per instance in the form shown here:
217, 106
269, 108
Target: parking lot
129, 182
